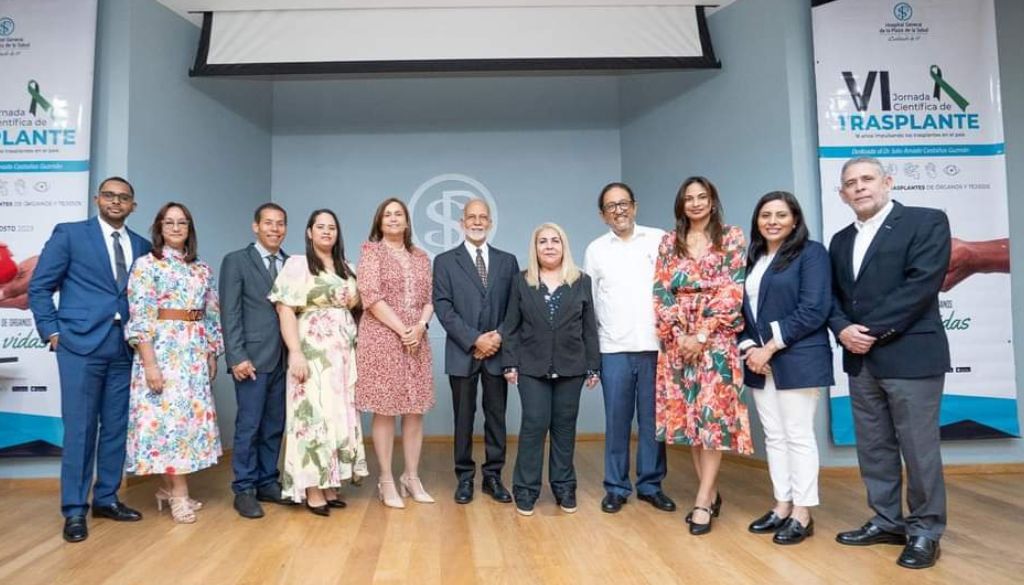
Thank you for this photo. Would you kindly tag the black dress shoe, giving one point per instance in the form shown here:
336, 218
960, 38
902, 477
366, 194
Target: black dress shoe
612, 503
272, 493
793, 532
659, 500
246, 504
321, 510
700, 529
770, 522
492, 486
116, 511
920, 552
869, 534
75, 529
464, 492
337, 503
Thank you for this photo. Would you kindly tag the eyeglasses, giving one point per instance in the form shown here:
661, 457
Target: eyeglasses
111, 196
617, 206
171, 224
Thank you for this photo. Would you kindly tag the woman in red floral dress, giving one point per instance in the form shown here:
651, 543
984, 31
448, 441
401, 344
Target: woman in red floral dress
698, 299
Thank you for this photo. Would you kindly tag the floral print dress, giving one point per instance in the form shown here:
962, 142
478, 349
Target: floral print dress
323, 433
173, 431
701, 403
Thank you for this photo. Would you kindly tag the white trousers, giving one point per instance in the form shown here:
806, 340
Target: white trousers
788, 420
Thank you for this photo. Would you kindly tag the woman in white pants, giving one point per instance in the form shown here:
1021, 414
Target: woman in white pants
787, 356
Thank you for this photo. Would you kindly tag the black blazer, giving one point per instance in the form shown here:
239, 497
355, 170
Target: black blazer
251, 327
466, 308
568, 347
799, 297
896, 294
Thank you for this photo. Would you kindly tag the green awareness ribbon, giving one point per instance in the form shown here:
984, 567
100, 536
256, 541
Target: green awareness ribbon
37, 98
942, 86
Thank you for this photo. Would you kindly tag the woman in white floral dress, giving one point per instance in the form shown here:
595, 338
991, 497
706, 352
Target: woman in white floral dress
323, 438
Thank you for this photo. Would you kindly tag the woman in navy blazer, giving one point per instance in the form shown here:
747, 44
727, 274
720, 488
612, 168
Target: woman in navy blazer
787, 356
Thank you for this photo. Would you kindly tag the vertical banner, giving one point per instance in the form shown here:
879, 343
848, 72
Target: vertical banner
916, 85
46, 55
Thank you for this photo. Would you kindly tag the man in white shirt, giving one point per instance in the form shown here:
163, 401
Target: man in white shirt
887, 269
621, 266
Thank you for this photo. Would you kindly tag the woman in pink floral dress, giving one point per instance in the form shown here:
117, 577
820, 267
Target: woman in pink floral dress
698, 298
315, 295
174, 326
395, 377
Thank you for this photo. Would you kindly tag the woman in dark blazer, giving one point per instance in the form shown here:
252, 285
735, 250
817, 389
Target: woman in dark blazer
787, 356
550, 350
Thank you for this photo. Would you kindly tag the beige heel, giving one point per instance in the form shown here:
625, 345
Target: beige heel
393, 498
414, 487
181, 511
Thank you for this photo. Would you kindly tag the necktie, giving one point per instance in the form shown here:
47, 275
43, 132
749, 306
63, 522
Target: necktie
273, 266
481, 268
120, 266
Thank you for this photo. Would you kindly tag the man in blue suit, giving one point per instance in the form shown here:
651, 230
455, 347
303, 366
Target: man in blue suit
887, 269
471, 289
88, 263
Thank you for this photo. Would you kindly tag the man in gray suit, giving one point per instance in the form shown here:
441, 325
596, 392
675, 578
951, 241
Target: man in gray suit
256, 356
471, 289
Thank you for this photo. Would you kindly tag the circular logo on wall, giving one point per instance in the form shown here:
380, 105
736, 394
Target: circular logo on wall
6, 26
902, 11
436, 210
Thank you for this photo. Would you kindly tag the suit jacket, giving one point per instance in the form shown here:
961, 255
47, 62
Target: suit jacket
251, 327
799, 298
75, 262
568, 346
466, 308
896, 294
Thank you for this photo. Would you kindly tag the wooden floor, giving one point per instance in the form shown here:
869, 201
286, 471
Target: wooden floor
487, 542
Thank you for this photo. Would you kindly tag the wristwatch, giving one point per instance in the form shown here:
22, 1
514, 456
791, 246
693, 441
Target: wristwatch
702, 337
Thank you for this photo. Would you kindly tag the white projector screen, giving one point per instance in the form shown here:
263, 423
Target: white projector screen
399, 40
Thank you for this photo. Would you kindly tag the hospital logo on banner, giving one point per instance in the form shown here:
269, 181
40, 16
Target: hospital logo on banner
900, 26
436, 210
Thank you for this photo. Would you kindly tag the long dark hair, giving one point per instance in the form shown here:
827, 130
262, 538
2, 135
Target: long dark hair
715, 226
377, 234
315, 264
156, 233
794, 242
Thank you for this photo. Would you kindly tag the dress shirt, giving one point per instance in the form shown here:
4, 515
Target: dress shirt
753, 289
126, 247
866, 231
622, 272
263, 252
486, 253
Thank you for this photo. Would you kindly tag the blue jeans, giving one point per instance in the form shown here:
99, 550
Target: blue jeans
627, 381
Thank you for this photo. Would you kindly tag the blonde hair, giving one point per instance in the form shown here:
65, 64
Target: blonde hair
569, 274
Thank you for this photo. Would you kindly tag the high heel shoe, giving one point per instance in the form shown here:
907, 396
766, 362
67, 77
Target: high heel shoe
181, 511
699, 529
413, 486
162, 497
716, 507
392, 499
321, 510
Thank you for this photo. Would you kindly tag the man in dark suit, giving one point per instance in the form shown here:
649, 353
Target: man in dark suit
255, 353
887, 268
88, 263
471, 288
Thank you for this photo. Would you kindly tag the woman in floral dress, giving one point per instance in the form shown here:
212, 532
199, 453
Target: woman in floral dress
698, 299
315, 295
174, 326
395, 377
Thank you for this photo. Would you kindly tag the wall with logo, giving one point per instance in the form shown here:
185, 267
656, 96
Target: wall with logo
539, 148
750, 128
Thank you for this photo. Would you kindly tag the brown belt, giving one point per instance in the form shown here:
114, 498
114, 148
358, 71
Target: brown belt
180, 314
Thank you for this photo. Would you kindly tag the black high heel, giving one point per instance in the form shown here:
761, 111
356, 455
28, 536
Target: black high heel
697, 529
716, 507
319, 510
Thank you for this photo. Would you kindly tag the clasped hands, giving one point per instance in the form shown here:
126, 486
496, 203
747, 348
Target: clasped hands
411, 337
486, 345
855, 339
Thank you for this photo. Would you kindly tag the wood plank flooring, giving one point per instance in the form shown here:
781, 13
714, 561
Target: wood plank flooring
487, 542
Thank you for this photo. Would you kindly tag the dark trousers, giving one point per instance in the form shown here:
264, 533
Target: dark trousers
494, 401
894, 417
94, 408
259, 426
547, 405
627, 381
